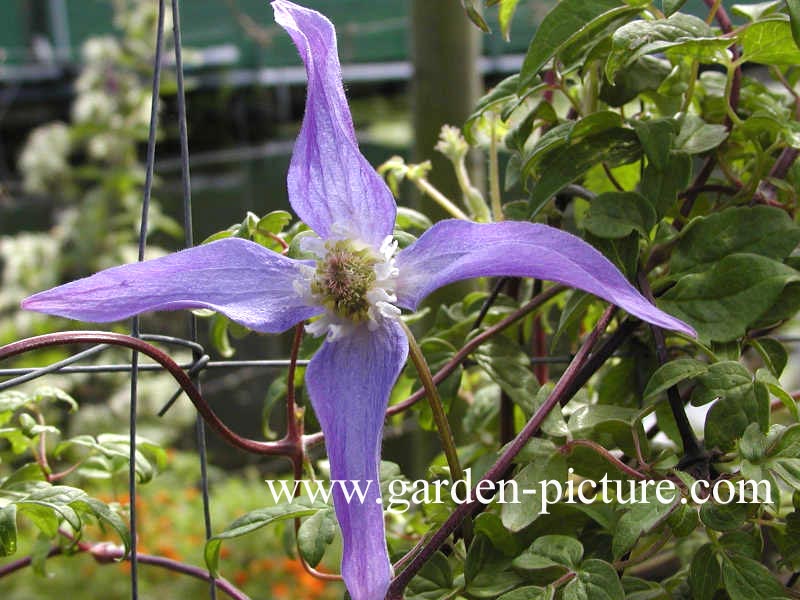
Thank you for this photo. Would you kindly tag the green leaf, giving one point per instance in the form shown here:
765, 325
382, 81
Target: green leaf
592, 41
264, 230
762, 230
723, 517
250, 522
741, 402
490, 525
789, 542
529, 592
39, 553
12, 400
540, 566
274, 222
554, 423
566, 19
518, 515
53, 394
619, 383
558, 168
486, 570
15, 437
685, 34
645, 74
494, 100
408, 218
560, 549
644, 515
28, 476
474, 13
616, 214
794, 18
672, 373
704, 573
434, 576
570, 132
773, 353
594, 124
672, 6
683, 520
509, 367
55, 500
726, 379
722, 302
784, 458
44, 517
748, 544
753, 443
770, 42
481, 413
640, 589
727, 420
755, 12
505, 16
595, 580
572, 315
608, 424
661, 187
117, 447
788, 445
746, 579
219, 335
8, 530
656, 136
776, 389
315, 535
102, 511
695, 136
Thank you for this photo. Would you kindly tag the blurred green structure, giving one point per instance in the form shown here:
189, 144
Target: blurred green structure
236, 41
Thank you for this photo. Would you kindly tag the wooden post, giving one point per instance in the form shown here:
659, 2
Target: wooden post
446, 85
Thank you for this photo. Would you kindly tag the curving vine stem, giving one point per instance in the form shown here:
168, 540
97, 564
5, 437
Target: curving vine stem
284, 447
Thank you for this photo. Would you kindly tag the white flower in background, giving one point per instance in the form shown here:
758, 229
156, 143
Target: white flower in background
93, 106
44, 160
104, 49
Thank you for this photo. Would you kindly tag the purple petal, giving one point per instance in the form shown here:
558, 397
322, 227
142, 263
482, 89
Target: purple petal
454, 250
246, 282
349, 381
330, 182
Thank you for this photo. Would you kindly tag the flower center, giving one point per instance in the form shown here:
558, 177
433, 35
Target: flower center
343, 278
353, 282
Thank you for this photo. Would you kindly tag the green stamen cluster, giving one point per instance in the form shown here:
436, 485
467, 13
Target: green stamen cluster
343, 279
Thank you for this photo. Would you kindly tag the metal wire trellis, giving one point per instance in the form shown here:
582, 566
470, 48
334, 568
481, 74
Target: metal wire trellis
186, 374
200, 359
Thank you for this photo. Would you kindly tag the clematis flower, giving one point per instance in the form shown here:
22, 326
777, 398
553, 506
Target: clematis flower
352, 292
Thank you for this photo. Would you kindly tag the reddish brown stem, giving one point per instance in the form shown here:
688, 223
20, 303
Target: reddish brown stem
621, 466
282, 447
542, 369
503, 463
295, 432
460, 356
61, 474
41, 455
109, 554
294, 418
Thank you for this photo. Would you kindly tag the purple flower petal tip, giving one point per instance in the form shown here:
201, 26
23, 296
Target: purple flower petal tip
243, 280
332, 187
454, 250
349, 381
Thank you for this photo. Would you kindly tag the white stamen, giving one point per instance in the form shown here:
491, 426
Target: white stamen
381, 297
